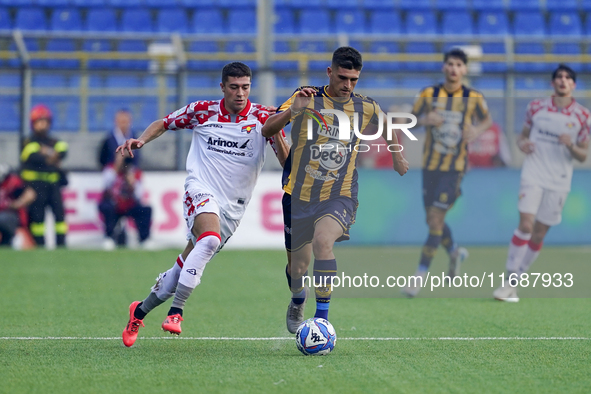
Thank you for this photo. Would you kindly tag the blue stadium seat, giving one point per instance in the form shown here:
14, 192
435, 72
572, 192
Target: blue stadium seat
282, 47
525, 5
203, 81
65, 109
349, 21
10, 113
242, 21
5, 19
10, 79
528, 83
421, 22
159, 4
342, 4
385, 22
532, 66
586, 5
30, 19
137, 20
562, 5
195, 4
447, 46
62, 45
413, 5
124, 80
65, 19
89, 3
314, 21
172, 20
568, 48
99, 46
377, 81
588, 24
314, 47
565, 24
48, 80
243, 46
97, 118
417, 83
208, 21
360, 45
205, 65
457, 23
53, 3
288, 81
124, 3
486, 83
529, 24
101, 19
385, 5
449, 5
237, 3
488, 5
284, 21
17, 3
493, 48
422, 47
492, 23
133, 46
387, 47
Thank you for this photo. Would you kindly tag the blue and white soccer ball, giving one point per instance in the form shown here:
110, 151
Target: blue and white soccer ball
316, 337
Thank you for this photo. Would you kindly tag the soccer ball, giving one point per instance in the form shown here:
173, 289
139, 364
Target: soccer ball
316, 337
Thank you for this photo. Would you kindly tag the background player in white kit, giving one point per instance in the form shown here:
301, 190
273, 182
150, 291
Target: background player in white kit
227, 141
556, 130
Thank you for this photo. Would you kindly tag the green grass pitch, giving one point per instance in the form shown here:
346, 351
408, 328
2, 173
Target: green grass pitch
64, 294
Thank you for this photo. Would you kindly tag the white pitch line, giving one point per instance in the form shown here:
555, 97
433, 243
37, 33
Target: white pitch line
291, 338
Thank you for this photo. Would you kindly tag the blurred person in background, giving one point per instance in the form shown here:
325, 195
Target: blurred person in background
122, 198
117, 136
41, 168
15, 197
453, 115
555, 132
490, 149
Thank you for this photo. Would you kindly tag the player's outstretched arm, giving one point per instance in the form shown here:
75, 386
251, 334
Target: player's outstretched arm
153, 131
577, 150
281, 148
278, 121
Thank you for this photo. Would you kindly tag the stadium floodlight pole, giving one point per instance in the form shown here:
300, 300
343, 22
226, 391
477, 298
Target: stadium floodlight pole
264, 41
25, 103
181, 79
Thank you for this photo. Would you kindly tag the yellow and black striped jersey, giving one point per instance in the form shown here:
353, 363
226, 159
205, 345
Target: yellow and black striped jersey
445, 148
324, 167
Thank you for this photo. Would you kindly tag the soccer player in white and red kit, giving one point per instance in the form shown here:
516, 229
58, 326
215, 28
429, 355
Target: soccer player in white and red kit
226, 156
556, 131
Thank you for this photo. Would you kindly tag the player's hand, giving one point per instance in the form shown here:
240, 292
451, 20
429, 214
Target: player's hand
433, 118
302, 99
470, 133
526, 146
401, 165
130, 145
271, 110
565, 140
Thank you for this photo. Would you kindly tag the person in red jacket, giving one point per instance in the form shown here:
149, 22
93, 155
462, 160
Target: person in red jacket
122, 197
15, 197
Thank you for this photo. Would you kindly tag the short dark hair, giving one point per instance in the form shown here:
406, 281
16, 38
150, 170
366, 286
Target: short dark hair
347, 57
457, 53
563, 67
235, 69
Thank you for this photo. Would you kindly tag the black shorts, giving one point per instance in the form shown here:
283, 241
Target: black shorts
441, 188
300, 218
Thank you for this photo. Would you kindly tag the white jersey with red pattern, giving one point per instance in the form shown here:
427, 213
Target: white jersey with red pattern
551, 164
227, 151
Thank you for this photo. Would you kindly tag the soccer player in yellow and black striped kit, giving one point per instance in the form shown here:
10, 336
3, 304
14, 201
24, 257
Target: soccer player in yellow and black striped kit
41, 159
320, 176
453, 115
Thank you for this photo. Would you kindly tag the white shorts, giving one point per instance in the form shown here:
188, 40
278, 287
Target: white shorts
546, 204
198, 202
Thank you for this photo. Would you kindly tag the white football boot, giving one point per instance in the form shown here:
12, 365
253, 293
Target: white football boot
506, 293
